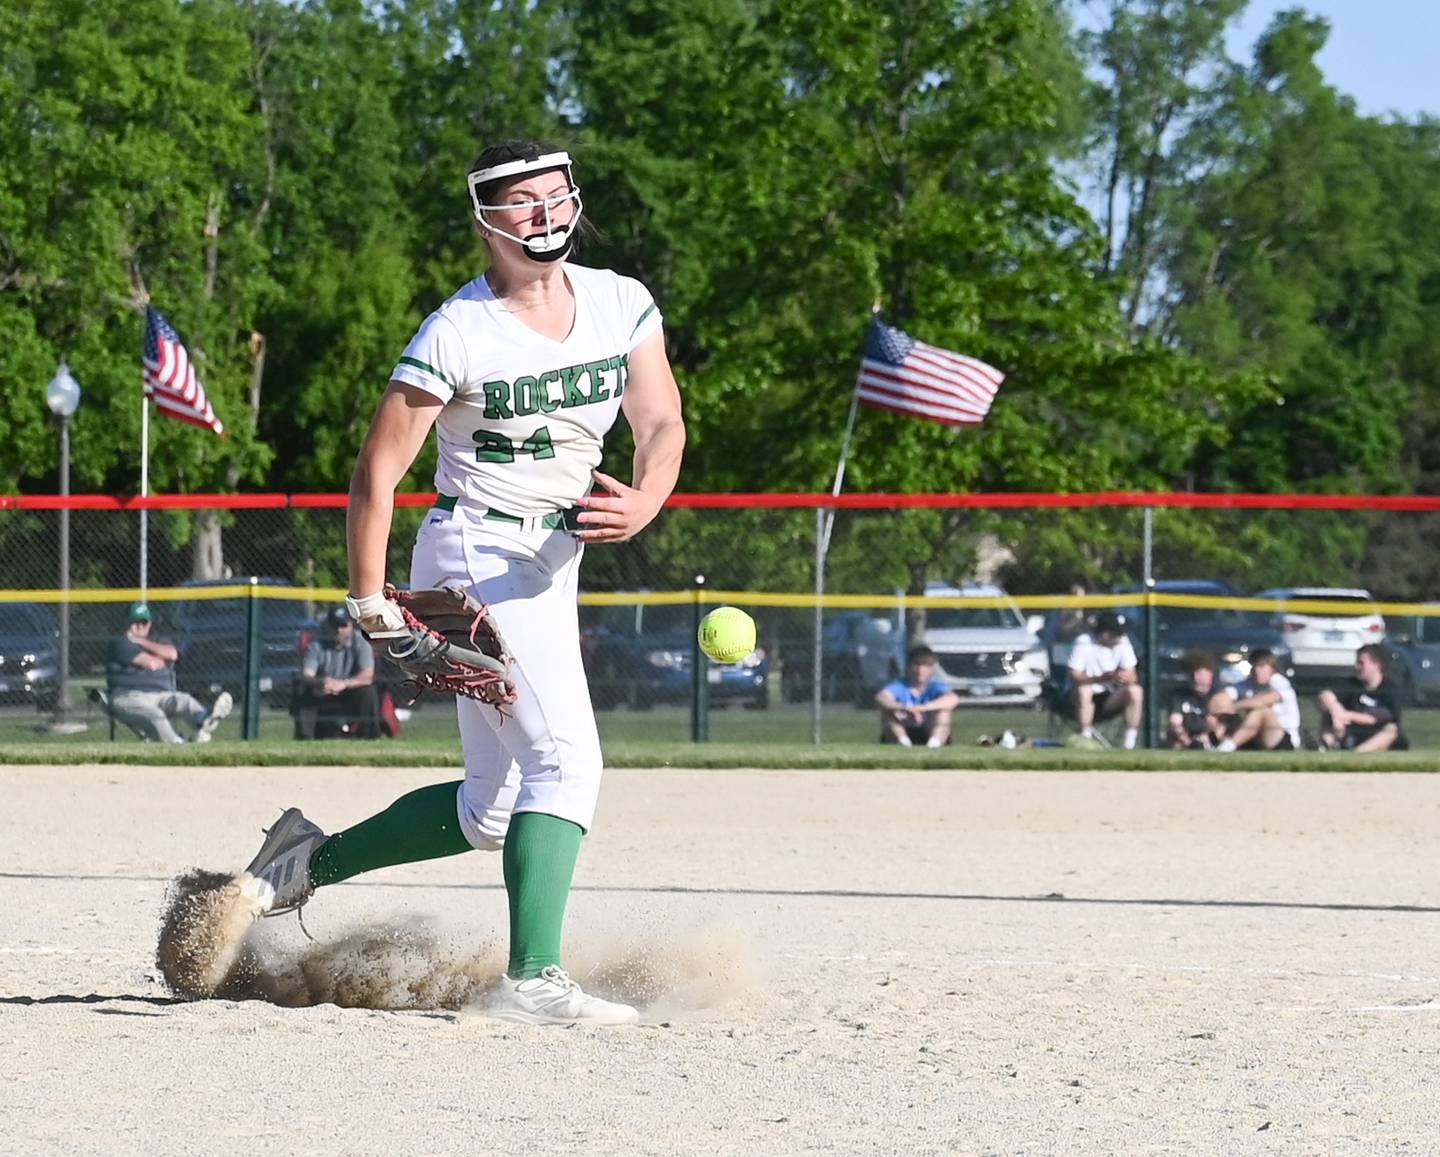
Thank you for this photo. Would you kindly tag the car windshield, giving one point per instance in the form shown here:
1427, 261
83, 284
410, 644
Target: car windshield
973, 619
1321, 596
225, 613
1209, 618
18, 619
641, 619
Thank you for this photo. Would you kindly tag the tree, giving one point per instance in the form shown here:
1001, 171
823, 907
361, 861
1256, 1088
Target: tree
131, 166
795, 162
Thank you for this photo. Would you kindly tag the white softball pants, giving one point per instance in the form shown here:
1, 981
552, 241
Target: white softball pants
543, 754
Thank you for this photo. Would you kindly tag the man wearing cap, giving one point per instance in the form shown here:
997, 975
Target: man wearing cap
337, 679
140, 678
1103, 677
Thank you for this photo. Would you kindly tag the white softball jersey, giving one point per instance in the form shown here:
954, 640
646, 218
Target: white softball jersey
524, 415
1091, 658
1286, 710
521, 429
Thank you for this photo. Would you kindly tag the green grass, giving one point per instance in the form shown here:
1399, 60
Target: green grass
778, 738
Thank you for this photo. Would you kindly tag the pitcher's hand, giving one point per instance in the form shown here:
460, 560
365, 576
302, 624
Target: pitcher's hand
617, 516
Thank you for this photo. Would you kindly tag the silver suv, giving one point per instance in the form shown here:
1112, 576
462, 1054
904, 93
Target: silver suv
989, 652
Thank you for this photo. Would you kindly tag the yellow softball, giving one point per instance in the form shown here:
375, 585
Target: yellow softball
727, 634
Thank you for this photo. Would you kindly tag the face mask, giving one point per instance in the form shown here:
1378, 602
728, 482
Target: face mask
552, 243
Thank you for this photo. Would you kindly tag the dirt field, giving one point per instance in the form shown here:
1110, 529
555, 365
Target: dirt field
859, 962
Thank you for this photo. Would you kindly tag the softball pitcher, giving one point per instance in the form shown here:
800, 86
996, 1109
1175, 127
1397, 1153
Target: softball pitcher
521, 373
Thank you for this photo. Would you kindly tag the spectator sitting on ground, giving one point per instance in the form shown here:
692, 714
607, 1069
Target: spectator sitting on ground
1103, 677
140, 681
1189, 723
1365, 714
1264, 708
337, 679
918, 708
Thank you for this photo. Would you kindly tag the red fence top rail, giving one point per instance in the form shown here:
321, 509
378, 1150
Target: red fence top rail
991, 501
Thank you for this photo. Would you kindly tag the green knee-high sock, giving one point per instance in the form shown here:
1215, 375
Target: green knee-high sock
423, 825
540, 854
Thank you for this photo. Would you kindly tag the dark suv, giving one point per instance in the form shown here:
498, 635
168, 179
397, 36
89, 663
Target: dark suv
641, 655
1229, 635
29, 655
211, 635
860, 651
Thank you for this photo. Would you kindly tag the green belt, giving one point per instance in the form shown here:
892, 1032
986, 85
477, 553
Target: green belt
560, 519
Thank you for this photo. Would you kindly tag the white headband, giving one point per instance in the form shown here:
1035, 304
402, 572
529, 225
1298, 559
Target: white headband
513, 168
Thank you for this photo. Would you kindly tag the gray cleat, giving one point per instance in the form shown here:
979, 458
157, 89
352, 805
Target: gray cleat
280, 871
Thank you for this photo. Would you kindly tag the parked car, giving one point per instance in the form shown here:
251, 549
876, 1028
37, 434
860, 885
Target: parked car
988, 654
1229, 635
641, 655
212, 635
860, 651
1323, 645
1412, 657
29, 655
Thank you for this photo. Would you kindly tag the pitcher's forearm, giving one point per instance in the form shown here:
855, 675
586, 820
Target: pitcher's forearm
656, 464
367, 531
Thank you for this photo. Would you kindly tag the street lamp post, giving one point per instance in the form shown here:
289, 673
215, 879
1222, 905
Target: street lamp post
62, 395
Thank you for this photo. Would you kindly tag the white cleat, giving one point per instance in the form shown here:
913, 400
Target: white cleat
278, 878
553, 998
224, 703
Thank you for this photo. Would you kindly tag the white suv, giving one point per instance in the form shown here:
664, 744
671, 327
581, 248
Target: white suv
1323, 645
989, 654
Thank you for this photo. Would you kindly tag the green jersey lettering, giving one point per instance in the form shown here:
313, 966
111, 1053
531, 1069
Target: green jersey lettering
596, 370
492, 447
527, 396
547, 403
497, 400
570, 378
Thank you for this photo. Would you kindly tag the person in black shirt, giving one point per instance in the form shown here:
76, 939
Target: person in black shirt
1190, 723
1365, 714
140, 682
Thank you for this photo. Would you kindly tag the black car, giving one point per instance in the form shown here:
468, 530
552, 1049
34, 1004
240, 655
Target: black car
1226, 634
1412, 656
29, 655
641, 655
212, 637
860, 652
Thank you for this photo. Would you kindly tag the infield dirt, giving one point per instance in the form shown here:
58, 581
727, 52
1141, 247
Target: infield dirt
853, 962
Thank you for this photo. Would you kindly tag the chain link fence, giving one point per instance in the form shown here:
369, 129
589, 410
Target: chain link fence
994, 589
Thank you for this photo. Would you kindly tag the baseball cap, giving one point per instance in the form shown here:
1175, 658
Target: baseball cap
1112, 621
338, 617
140, 612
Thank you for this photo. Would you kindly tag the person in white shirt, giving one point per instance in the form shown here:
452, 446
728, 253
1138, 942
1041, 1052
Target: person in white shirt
1103, 677
1265, 706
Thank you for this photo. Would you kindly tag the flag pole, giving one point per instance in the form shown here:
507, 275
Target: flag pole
144, 491
824, 524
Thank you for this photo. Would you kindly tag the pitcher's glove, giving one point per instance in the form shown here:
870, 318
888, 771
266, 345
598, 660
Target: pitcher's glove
441, 638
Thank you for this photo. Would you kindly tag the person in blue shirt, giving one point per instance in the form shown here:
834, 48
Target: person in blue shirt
917, 709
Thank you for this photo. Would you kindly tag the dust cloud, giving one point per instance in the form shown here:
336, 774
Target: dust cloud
212, 946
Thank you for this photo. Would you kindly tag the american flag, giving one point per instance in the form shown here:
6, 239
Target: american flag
169, 375
906, 376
